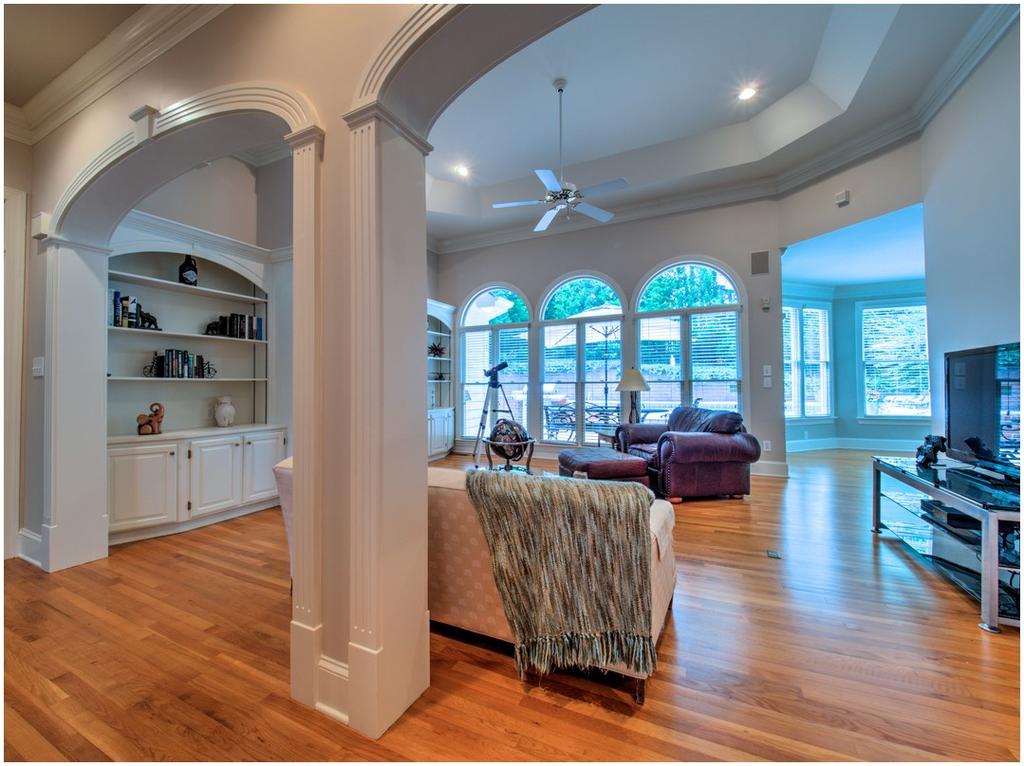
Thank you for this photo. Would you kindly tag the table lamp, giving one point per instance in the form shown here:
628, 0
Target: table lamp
633, 382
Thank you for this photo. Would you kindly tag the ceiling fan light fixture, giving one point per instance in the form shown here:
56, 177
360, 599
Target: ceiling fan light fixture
747, 93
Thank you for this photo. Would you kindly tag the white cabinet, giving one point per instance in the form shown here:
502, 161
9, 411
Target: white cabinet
142, 485
184, 479
216, 480
261, 451
440, 432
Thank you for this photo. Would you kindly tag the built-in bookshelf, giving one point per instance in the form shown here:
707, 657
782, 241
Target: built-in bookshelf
440, 397
183, 313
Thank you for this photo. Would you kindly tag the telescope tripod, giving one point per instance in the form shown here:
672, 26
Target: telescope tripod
493, 387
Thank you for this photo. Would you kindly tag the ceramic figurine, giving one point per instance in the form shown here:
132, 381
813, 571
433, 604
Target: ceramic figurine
153, 422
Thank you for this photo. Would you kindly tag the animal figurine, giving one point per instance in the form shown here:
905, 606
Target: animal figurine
213, 328
928, 453
147, 321
153, 422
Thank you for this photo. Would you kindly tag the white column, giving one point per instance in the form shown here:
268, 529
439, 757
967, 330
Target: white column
388, 662
306, 625
75, 405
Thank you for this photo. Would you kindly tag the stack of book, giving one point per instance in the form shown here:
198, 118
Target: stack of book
174, 363
122, 310
246, 326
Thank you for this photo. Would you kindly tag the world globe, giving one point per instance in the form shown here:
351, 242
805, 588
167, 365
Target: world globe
504, 436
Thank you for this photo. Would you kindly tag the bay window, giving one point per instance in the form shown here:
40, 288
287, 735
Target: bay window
893, 359
807, 361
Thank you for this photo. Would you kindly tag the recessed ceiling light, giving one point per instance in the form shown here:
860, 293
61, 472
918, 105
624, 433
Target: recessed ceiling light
747, 93
462, 170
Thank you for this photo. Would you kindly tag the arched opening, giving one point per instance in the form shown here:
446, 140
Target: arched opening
78, 242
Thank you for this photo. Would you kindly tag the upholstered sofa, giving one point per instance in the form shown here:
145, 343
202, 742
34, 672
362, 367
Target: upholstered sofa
461, 589
696, 453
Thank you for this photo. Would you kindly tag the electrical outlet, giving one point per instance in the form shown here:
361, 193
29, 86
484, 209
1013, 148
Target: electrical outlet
767, 445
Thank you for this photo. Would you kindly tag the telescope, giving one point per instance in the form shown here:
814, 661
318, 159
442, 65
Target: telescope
492, 374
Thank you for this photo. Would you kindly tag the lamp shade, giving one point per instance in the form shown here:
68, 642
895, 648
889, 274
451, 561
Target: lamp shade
632, 380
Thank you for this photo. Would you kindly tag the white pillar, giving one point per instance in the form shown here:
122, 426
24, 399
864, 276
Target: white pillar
75, 405
389, 642
307, 621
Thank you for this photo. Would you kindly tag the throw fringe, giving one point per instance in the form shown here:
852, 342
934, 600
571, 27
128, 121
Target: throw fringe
572, 650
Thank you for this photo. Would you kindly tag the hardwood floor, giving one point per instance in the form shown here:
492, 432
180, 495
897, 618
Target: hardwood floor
846, 648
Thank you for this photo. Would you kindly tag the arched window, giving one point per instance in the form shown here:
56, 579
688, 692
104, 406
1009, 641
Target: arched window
581, 339
494, 328
688, 343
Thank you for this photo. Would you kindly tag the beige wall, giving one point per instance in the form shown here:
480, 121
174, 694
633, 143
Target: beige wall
433, 274
971, 180
17, 165
220, 197
274, 204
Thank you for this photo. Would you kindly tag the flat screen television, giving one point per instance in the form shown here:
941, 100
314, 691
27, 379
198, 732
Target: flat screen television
983, 407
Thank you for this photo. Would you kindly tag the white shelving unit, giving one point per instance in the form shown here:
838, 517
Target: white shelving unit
440, 410
183, 311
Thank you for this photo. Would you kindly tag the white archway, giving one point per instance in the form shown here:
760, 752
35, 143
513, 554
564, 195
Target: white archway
161, 145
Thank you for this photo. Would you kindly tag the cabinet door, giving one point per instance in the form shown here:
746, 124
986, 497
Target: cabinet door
448, 431
142, 486
431, 433
262, 452
216, 474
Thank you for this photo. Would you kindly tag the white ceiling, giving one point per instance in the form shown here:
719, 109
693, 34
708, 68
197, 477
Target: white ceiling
637, 75
41, 41
883, 249
652, 97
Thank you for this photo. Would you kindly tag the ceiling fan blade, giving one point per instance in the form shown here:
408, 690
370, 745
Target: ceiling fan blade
595, 212
547, 218
607, 186
523, 203
549, 179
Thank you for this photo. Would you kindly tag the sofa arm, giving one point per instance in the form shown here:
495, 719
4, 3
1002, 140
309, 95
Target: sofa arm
638, 433
700, 447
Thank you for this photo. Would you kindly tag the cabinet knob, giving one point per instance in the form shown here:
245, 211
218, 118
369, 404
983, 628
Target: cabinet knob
171, 453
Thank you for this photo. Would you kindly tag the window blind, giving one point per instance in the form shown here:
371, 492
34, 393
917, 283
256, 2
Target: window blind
894, 357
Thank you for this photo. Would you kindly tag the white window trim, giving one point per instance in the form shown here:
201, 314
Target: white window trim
858, 319
459, 363
800, 304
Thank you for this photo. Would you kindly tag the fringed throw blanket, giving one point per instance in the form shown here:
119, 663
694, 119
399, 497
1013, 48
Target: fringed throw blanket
571, 559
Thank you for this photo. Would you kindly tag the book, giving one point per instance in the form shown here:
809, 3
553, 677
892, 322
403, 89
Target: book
124, 311
110, 307
259, 328
133, 311
117, 308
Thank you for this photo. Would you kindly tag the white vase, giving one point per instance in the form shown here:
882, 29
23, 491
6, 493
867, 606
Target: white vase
224, 412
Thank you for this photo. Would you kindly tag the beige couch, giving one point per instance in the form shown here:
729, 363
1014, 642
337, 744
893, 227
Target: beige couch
461, 586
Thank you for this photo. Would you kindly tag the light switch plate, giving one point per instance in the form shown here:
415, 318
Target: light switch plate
767, 370
767, 381
37, 367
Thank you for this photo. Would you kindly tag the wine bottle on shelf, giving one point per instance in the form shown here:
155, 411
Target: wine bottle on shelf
188, 271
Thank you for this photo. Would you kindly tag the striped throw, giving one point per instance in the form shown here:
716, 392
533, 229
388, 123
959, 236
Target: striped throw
571, 560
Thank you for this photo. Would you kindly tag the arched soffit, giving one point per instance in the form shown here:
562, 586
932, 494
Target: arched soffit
415, 77
165, 143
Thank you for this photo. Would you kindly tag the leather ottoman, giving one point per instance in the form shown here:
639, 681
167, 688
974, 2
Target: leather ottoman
602, 463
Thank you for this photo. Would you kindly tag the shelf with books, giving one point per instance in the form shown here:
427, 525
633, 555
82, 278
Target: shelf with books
196, 335
176, 339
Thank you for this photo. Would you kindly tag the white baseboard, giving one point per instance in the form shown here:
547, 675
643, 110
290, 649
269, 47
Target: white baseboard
886, 445
132, 535
305, 653
769, 468
332, 688
30, 547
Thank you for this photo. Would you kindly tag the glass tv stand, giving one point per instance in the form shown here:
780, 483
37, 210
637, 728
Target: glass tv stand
964, 523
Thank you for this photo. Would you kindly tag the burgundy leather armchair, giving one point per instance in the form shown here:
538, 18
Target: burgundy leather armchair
697, 453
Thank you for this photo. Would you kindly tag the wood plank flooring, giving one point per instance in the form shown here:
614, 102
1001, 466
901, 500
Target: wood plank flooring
846, 648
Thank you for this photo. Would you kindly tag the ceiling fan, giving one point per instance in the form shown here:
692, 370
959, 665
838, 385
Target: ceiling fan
565, 196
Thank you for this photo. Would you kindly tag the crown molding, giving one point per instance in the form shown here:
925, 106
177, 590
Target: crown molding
164, 228
259, 156
16, 126
983, 35
994, 22
142, 37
